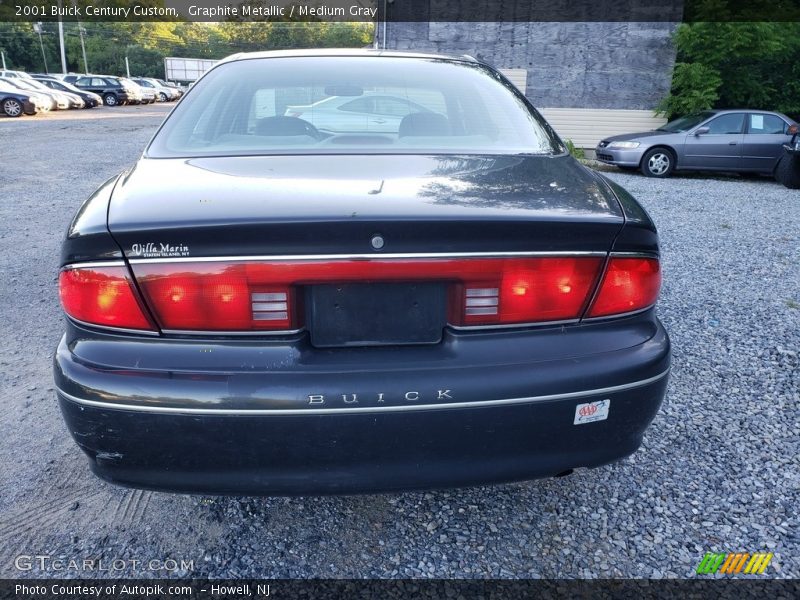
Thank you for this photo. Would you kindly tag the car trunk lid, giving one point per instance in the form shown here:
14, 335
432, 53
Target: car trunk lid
270, 244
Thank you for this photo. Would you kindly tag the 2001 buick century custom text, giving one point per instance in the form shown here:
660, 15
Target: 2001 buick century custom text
431, 293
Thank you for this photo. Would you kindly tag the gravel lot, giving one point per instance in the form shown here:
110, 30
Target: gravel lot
719, 469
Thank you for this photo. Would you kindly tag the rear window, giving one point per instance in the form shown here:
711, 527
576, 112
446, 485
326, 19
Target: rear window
320, 105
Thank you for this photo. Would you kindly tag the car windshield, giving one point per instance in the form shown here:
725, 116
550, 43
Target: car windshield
350, 105
686, 123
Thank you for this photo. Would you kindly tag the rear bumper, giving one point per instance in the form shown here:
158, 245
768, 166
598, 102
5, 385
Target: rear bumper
257, 433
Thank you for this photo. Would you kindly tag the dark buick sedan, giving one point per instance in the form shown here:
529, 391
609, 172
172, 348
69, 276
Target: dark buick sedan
262, 306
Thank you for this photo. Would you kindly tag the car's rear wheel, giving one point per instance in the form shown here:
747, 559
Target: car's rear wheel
658, 162
12, 107
162, 96
110, 99
787, 171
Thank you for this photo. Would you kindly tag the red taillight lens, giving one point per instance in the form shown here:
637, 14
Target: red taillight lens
102, 296
531, 290
629, 284
213, 298
262, 295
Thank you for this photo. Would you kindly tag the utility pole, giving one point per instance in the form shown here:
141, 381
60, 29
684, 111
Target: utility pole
127, 66
37, 27
81, 30
61, 40
3, 56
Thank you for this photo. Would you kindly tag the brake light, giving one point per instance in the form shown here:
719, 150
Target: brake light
265, 296
242, 296
530, 291
629, 284
102, 296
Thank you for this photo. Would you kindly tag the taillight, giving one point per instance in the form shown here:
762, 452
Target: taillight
266, 295
101, 295
215, 298
629, 284
245, 296
530, 290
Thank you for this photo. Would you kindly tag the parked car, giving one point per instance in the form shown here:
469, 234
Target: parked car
110, 89
15, 102
172, 85
162, 93
53, 102
144, 95
257, 307
63, 99
741, 140
10, 73
788, 170
364, 112
70, 78
90, 99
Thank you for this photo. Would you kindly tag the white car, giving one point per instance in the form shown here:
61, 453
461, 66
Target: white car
163, 93
365, 112
145, 95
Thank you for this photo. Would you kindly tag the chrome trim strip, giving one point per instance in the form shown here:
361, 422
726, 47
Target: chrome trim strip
634, 255
375, 256
232, 333
363, 409
97, 263
112, 329
619, 315
513, 325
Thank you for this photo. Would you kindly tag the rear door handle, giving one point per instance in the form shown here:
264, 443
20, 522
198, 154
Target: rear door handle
732, 143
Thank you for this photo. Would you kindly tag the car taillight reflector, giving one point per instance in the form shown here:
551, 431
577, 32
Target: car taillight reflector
102, 296
629, 284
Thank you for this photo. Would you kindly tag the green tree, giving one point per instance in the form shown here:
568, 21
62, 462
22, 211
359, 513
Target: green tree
725, 64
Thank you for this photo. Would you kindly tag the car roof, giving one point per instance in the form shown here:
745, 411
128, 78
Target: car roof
344, 52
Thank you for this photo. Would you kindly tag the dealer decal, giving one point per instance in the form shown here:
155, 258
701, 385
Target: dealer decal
151, 250
591, 412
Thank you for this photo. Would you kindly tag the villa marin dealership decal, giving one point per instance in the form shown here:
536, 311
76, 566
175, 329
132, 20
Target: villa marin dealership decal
151, 250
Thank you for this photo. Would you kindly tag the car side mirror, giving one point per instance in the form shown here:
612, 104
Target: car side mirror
701, 130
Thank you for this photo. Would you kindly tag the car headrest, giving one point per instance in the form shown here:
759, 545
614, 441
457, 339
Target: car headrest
280, 125
424, 123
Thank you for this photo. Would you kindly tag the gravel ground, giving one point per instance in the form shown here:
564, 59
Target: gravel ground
718, 470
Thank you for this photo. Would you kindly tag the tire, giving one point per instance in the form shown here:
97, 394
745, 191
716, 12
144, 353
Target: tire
658, 162
12, 107
162, 96
110, 99
787, 171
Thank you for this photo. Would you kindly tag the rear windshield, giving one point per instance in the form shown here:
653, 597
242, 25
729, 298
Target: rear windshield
321, 105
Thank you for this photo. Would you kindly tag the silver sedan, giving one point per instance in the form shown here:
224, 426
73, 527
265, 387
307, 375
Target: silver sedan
742, 140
